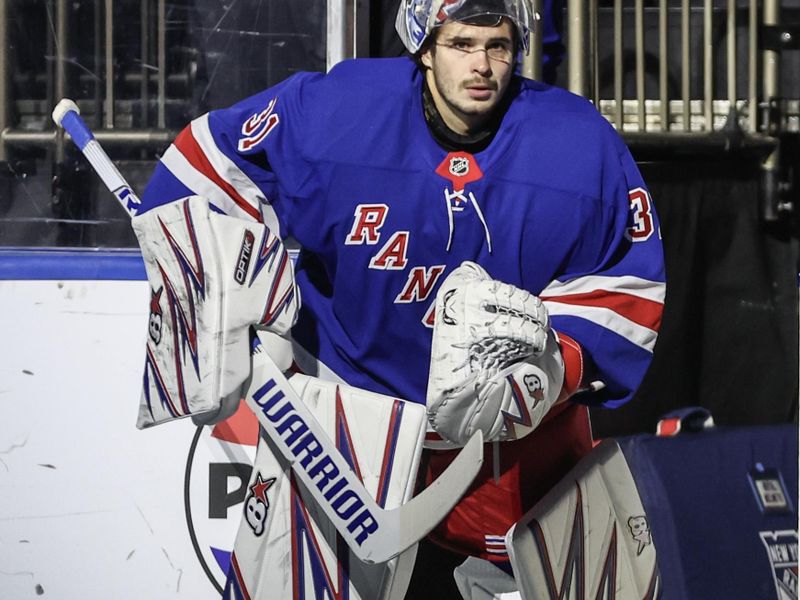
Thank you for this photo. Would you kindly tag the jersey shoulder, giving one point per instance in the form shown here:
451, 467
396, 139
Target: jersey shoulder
363, 107
554, 111
569, 144
348, 86
319, 115
375, 76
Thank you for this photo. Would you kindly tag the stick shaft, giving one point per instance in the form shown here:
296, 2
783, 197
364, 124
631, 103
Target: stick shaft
67, 116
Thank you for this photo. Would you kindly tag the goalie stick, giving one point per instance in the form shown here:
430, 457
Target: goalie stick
67, 115
373, 534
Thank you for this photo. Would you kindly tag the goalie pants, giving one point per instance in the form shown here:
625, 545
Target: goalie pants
529, 468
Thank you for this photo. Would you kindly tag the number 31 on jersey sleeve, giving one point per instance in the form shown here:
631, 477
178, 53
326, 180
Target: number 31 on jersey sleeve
641, 208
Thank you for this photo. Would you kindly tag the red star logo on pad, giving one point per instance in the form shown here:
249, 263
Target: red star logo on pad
155, 301
260, 487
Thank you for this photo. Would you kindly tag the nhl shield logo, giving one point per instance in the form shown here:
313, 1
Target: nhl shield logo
460, 169
459, 166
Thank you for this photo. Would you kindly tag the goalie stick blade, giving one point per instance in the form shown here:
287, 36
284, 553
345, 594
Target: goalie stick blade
423, 512
373, 534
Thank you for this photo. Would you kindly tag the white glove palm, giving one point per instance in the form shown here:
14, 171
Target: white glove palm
495, 364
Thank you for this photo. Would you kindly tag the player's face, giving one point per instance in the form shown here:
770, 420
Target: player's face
468, 70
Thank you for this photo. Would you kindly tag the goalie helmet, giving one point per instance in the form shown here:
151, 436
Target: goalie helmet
416, 19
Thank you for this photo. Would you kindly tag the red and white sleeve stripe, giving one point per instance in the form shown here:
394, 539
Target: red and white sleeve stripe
630, 306
195, 159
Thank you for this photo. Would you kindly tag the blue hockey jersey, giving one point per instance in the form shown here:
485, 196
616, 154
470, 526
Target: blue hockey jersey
344, 164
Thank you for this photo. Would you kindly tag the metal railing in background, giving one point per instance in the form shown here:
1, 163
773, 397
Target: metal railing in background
61, 41
139, 71
696, 73
647, 109
347, 30
700, 103
124, 120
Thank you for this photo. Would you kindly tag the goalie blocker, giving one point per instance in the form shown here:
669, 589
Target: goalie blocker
211, 277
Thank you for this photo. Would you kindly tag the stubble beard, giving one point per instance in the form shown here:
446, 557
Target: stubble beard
454, 97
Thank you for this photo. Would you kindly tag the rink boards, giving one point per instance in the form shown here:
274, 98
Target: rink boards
90, 506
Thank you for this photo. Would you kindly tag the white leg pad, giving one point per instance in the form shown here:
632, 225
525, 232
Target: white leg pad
589, 535
286, 547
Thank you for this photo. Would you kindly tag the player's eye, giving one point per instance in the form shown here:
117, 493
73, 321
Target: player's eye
499, 51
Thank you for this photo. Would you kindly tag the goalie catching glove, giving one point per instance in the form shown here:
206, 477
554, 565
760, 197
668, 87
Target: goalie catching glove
211, 278
496, 365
